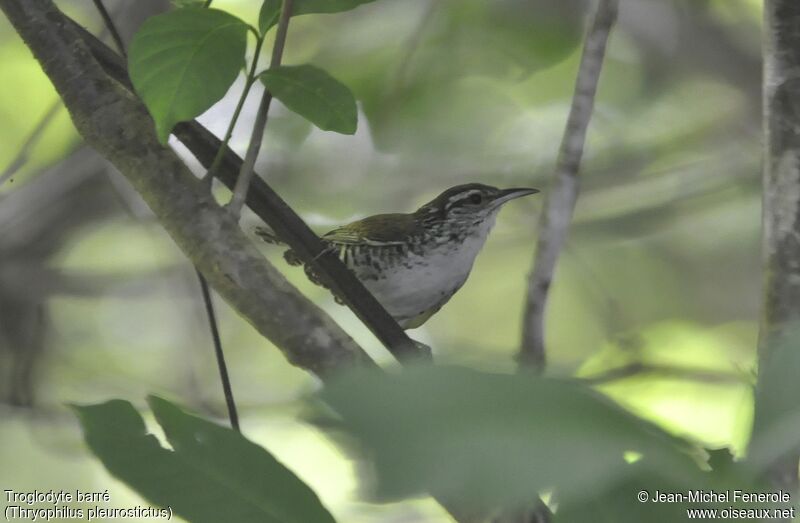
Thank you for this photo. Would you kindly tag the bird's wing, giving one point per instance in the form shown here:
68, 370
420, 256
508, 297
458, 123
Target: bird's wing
378, 230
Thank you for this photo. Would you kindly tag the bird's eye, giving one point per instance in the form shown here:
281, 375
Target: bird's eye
475, 199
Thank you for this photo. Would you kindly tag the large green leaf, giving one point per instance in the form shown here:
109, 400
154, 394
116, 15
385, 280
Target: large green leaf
315, 95
621, 501
270, 9
490, 440
776, 421
184, 61
212, 474
269, 15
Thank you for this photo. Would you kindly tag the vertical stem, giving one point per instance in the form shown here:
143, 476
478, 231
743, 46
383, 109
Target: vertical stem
560, 202
251, 75
208, 178
223, 368
246, 172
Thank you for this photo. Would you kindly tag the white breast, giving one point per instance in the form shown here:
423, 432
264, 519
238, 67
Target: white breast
406, 292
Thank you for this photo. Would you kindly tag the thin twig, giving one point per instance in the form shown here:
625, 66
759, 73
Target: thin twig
208, 179
209, 305
559, 204
251, 75
223, 368
24, 152
112, 29
246, 173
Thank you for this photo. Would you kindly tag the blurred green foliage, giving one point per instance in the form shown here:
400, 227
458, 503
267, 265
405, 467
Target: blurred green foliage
489, 441
493, 440
485, 443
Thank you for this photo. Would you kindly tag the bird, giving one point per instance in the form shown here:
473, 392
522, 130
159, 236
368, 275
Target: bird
413, 263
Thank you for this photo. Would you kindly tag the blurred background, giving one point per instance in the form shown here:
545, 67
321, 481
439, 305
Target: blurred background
655, 299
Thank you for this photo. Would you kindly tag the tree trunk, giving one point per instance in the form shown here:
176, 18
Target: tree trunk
781, 200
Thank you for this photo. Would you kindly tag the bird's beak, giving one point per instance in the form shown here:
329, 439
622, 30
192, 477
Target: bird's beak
510, 194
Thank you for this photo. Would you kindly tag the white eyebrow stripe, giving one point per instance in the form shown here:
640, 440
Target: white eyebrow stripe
460, 196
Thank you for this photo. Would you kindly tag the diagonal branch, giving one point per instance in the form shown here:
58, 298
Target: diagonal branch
117, 124
275, 212
259, 126
560, 202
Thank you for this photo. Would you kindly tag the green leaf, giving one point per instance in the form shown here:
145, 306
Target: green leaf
776, 420
315, 95
184, 61
302, 7
271, 9
619, 502
213, 474
490, 440
269, 15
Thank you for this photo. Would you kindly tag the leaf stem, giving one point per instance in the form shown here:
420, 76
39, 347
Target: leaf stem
251, 77
246, 172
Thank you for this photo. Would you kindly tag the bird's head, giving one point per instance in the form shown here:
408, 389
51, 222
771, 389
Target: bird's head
469, 205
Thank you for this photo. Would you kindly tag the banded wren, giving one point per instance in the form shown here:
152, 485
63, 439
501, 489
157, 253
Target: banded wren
414, 263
